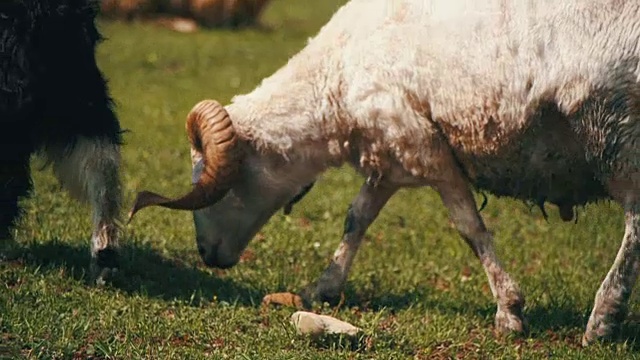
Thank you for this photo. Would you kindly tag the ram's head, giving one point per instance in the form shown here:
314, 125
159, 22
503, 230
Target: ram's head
232, 197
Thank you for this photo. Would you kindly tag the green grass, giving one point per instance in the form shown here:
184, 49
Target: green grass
405, 289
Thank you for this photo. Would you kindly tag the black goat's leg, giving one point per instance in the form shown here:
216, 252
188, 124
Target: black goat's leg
15, 183
90, 172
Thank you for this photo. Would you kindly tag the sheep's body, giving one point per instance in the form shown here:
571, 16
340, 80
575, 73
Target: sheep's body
532, 99
54, 100
476, 84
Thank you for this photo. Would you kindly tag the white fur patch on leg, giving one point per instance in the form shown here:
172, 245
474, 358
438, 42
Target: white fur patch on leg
90, 173
85, 168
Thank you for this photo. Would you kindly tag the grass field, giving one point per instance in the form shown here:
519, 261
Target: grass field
416, 288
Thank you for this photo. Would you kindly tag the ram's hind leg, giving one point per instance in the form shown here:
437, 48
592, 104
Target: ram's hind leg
361, 213
90, 172
611, 301
458, 199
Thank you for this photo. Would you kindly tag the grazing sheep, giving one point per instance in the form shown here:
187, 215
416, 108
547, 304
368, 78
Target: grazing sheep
54, 100
537, 100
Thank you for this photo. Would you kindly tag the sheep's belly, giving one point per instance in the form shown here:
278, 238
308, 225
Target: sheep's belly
547, 164
561, 181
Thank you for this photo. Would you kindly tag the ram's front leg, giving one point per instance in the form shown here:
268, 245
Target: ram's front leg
361, 213
611, 301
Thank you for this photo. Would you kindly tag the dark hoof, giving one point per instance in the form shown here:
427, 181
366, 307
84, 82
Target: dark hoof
603, 331
104, 275
104, 266
507, 323
315, 294
9, 250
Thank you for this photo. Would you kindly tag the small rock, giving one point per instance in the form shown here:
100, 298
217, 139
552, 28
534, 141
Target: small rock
284, 299
307, 323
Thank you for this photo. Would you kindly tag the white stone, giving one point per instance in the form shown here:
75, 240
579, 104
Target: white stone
308, 323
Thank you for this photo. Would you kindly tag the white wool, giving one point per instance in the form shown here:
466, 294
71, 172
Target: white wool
395, 72
534, 99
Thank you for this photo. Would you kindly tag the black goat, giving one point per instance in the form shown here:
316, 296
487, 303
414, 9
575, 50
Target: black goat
54, 100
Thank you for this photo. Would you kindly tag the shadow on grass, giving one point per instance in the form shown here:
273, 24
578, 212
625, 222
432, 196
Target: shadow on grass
145, 271
565, 323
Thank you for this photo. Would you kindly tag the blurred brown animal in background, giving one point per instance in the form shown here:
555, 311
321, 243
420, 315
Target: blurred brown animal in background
187, 15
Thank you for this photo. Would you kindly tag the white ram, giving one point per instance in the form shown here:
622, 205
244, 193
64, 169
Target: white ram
537, 100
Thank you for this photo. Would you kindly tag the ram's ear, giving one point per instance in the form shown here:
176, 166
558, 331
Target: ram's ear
287, 208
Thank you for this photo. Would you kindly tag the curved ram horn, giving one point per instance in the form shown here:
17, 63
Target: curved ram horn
211, 134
